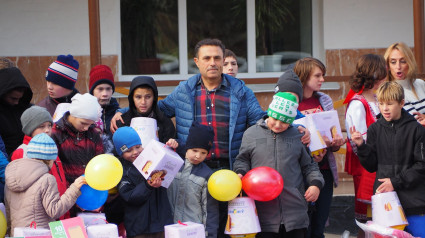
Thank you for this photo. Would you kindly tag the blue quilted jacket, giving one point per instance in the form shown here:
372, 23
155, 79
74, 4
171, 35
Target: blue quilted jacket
245, 110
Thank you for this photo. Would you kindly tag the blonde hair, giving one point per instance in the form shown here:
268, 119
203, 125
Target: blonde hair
389, 91
410, 60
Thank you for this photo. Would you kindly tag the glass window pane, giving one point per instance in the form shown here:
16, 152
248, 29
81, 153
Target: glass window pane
283, 33
149, 37
221, 19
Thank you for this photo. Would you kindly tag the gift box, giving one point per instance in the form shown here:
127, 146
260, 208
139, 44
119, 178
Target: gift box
387, 210
102, 231
185, 230
146, 127
158, 160
68, 228
31, 231
242, 218
61, 109
90, 218
321, 124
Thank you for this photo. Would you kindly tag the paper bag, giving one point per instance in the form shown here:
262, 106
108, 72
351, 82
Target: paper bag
61, 109
157, 160
146, 128
321, 124
185, 230
387, 210
68, 228
242, 217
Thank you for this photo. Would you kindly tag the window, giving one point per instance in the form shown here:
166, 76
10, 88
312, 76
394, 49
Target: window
158, 36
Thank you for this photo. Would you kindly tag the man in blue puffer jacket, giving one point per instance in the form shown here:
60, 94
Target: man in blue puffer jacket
214, 99
217, 100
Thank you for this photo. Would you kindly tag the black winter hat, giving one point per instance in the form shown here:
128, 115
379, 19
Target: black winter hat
200, 136
289, 82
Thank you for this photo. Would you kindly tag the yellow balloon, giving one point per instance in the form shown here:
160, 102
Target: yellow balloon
3, 224
224, 185
103, 172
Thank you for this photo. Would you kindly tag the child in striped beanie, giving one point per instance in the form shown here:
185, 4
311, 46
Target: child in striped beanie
61, 77
31, 193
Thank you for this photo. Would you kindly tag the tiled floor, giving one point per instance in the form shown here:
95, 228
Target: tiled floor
344, 188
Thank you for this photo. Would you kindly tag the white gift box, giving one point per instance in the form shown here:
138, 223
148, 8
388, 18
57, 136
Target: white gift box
103, 231
387, 210
185, 230
242, 217
146, 128
157, 159
320, 124
31, 231
91, 218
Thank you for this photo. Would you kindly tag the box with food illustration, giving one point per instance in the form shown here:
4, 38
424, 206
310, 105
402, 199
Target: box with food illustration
158, 160
321, 124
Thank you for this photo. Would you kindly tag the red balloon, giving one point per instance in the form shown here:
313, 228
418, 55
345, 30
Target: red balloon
262, 183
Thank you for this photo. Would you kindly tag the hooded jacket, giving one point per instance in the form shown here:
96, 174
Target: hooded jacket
10, 116
75, 149
166, 129
396, 150
34, 196
245, 110
285, 153
147, 209
107, 113
51, 103
56, 170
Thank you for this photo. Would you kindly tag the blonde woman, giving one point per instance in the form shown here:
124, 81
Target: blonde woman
402, 69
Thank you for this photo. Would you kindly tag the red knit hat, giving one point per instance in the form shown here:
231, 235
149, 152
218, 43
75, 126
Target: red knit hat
101, 74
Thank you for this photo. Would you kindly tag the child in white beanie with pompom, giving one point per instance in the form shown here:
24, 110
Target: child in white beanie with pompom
76, 137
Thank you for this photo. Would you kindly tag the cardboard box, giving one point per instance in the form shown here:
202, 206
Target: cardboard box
157, 159
103, 231
90, 218
321, 124
68, 228
31, 232
185, 230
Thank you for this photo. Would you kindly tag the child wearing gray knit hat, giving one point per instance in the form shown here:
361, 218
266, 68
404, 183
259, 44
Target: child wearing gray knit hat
33, 118
36, 120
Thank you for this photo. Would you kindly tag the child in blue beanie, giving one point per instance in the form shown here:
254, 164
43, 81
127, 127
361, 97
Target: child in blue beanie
147, 209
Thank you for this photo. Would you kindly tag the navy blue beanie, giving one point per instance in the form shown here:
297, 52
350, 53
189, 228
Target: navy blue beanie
124, 138
200, 136
63, 71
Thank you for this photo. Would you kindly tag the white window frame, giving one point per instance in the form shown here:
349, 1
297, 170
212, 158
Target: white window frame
317, 44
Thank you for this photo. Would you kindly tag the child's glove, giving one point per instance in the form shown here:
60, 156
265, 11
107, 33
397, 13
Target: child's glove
80, 181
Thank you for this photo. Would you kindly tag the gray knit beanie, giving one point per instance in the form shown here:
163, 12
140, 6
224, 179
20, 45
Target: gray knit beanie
289, 82
34, 117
